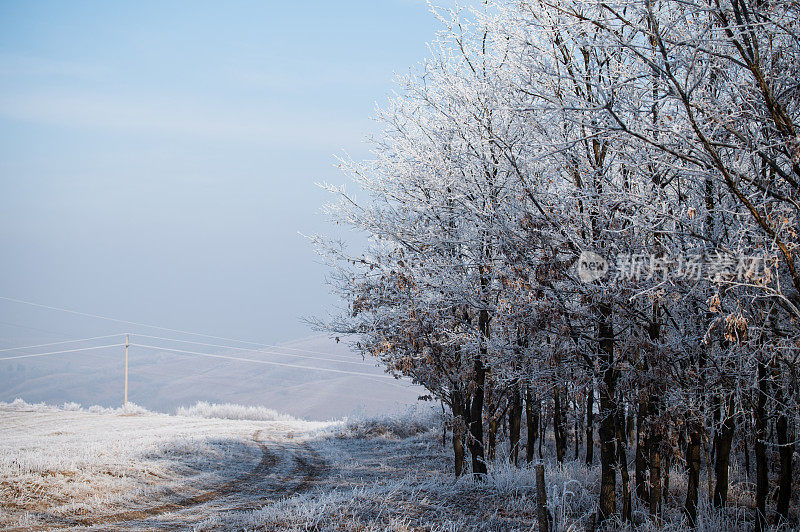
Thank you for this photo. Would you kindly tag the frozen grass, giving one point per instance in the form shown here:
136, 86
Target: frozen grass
392, 473
18, 405
57, 463
231, 411
387, 472
399, 425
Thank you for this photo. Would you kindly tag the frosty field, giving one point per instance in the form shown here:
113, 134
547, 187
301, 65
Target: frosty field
68, 467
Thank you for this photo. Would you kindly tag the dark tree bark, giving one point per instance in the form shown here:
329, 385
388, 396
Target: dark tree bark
760, 448
654, 446
723, 457
576, 410
746, 445
541, 500
655, 425
476, 421
590, 423
693, 473
532, 420
785, 452
630, 429
558, 424
515, 422
542, 426
665, 467
492, 443
622, 457
715, 418
459, 430
655, 477
642, 492
476, 407
608, 477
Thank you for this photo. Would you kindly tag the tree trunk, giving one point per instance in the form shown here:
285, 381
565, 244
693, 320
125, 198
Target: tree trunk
622, 457
655, 448
785, 450
655, 477
665, 466
514, 422
655, 425
693, 473
723, 457
715, 420
558, 424
746, 445
641, 452
492, 447
459, 431
576, 409
760, 448
532, 419
542, 427
590, 423
541, 500
608, 476
476, 422
631, 424
494, 414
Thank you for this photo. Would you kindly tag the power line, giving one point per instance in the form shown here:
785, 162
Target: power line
57, 343
59, 352
210, 355
266, 352
269, 362
107, 318
300, 349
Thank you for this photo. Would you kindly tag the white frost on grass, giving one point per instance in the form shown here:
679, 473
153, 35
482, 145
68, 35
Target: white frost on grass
58, 463
401, 424
231, 411
387, 472
392, 473
18, 405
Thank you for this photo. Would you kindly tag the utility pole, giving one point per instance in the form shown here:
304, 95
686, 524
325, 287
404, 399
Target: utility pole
126, 371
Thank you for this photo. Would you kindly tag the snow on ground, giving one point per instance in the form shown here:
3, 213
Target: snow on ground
69, 466
261, 470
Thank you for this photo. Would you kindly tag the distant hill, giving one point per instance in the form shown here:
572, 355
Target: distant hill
162, 381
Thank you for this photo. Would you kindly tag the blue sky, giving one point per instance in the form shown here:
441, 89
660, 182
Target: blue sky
158, 159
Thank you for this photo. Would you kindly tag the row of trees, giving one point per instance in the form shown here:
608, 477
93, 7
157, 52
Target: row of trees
540, 137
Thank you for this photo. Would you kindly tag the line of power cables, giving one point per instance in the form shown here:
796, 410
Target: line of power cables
262, 347
338, 360
268, 362
32, 355
168, 329
192, 353
62, 342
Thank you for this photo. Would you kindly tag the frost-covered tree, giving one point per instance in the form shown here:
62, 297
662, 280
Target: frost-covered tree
661, 136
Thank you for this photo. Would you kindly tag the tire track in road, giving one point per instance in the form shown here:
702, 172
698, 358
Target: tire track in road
308, 463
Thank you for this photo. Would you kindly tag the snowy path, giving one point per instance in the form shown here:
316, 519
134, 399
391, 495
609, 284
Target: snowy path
81, 469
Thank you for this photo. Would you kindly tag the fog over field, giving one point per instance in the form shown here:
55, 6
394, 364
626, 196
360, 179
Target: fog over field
158, 164
161, 380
